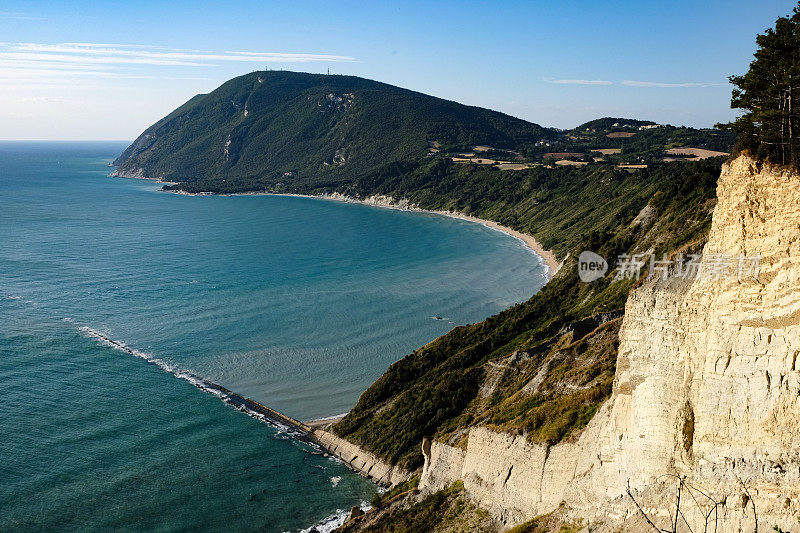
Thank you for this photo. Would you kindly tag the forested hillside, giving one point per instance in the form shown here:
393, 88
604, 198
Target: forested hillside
272, 129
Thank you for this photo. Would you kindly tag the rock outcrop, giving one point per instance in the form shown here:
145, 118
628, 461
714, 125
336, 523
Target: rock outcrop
134, 172
360, 460
706, 395
514, 479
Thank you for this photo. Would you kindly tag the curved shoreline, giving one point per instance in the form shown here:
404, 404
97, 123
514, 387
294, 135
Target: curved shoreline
547, 257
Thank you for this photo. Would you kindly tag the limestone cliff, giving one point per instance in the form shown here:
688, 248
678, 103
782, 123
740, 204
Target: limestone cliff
363, 462
707, 391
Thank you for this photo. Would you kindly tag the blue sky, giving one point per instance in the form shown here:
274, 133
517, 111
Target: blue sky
107, 70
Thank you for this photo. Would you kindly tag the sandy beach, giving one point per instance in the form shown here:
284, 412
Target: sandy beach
324, 423
548, 256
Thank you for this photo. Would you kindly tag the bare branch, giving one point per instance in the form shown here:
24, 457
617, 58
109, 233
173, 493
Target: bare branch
640, 508
752, 501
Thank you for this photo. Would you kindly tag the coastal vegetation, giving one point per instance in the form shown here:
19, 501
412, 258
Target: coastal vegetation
446, 510
383, 499
480, 373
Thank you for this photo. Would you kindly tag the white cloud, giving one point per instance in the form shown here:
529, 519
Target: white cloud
75, 63
635, 83
110, 54
631, 83
82, 59
579, 82
42, 100
14, 15
14, 73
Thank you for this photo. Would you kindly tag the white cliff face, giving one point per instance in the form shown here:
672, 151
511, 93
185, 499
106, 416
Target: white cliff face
360, 460
514, 479
707, 387
707, 378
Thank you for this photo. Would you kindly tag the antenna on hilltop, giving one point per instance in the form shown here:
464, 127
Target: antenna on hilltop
329, 71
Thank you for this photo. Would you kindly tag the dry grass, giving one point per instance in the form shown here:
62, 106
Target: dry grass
620, 134
513, 166
561, 155
608, 151
567, 162
476, 161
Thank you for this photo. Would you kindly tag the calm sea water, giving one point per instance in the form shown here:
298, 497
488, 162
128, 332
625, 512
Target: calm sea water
298, 303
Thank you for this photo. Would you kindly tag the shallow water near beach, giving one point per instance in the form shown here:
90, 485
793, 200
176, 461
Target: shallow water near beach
297, 303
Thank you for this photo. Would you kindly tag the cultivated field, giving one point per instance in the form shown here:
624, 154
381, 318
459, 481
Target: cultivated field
696, 153
567, 162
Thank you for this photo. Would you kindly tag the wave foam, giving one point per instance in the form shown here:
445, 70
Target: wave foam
332, 522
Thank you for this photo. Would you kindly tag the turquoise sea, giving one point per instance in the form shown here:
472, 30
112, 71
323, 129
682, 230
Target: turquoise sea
298, 303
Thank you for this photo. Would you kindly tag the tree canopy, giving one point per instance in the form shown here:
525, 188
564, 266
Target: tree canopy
768, 94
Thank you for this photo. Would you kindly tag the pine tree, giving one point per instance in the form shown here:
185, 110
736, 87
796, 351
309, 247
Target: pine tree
768, 93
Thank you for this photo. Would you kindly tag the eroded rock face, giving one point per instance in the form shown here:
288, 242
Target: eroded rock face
707, 386
360, 460
707, 380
